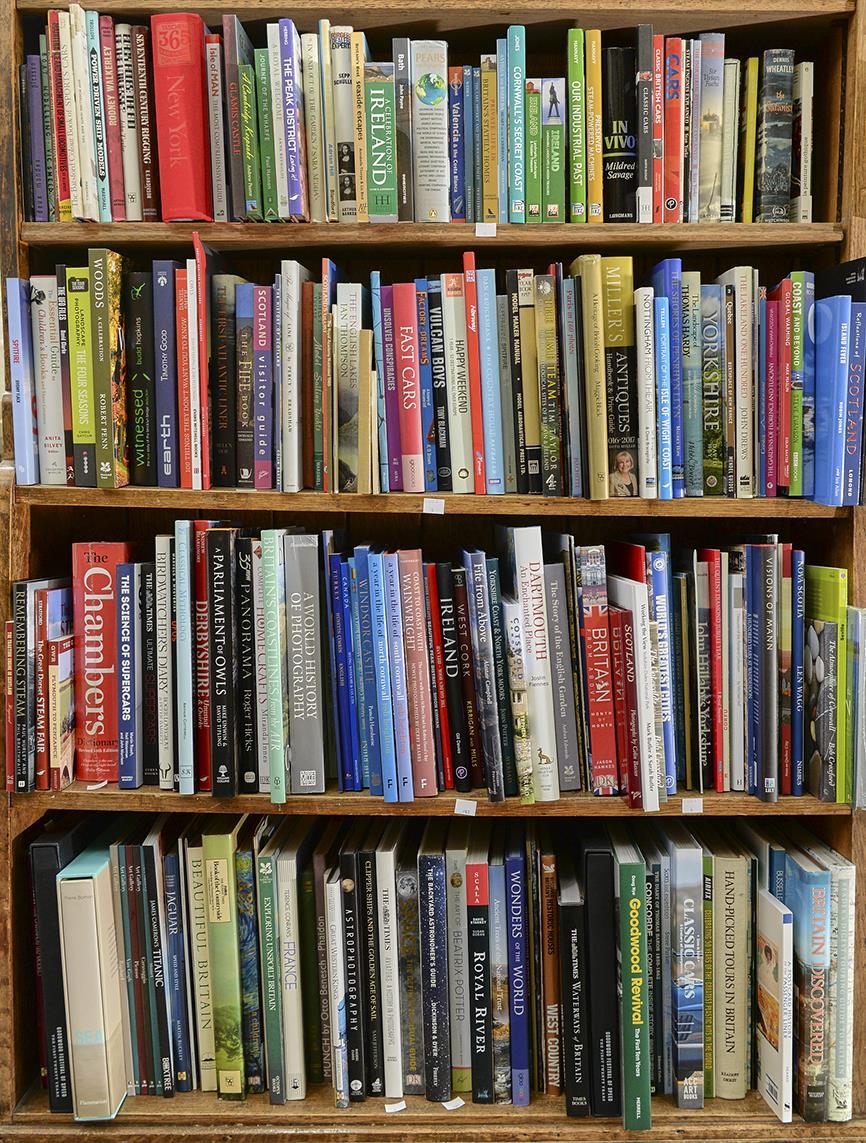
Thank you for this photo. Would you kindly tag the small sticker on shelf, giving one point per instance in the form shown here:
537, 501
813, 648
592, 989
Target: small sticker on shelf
693, 805
97, 785
465, 806
485, 229
453, 1104
433, 506
391, 1108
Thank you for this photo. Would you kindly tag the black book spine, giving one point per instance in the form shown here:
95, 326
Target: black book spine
63, 332
478, 948
500, 668
243, 377
45, 863
24, 142
141, 388
223, 665
619, 130
601, 962
156, 971
453, 678
434, 686
440, 384
575, 1067
354, 1016
371, 993
248, 775
149, 717
655, 968
401, 51
644, 106
434, 976
517, 382
467, 677
223, 374
151, 1083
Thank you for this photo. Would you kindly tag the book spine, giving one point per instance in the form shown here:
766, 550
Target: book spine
144, 91
355, 1041
64, 368
216, 127
263, 388
730, 140
567, 750
593, 102
434, 975
516, 65
487, 129
576, 126
644, 123
619, 134
458, 382
471, 163
306, 721
534, 151
221, 562
456, 144
274, 602
467, 677
315, 150
24, 422
401, 54
248, 777
673, 130
692, 385
250, 152
406, 366
165, 374
403, 726
453, 690
109, 374
138, 307
224, 950
45, 341
595, 638
774, 136
128, 122
470, 297
440, 385
502, 94
478, 951
384, 709
418, 674
272, 1003
62, 192
429, 69
38, 176
130, 753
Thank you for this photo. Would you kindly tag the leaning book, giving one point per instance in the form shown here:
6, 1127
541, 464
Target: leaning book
774, 1032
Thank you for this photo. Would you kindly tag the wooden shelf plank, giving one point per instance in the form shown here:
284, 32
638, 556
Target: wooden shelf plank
261, 236
241, 500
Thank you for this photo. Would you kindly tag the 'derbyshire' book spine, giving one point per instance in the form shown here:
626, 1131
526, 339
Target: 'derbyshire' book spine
223, 662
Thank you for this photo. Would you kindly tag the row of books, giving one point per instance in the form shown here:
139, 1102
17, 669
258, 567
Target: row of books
561, 383
312, 128
284, 663
388, 959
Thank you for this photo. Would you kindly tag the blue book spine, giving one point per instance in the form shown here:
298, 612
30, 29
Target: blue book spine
468, 130
180, 1034
491, 396
405, 786
516, 62
476, 143
37, 140
378, 616
457, 150
354, 759
184, 685
165, 357
663, 397
502, 89
130, 769
667, 282
762, 396
832, 337
379, 350
347, 778
434, 974
808, 385
518, 992
358, 675
97, 116
660, 572
22, 382
854, 406
425, 377
798, 624
292, 96
367, 658
251, 1007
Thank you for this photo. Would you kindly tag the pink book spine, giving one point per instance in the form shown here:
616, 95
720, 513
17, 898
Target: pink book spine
116, 186
417, 674
772, 398
408, 386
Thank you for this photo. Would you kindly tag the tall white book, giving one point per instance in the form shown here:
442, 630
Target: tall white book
644, 299
775, 988
344, 124
800, 208
216, 126
389, 959
46, 375
430, 164
315, 127
457, 382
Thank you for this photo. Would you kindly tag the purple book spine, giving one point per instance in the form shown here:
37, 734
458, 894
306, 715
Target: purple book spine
293, 116
392, 396
263, 382
37, 140
165, 356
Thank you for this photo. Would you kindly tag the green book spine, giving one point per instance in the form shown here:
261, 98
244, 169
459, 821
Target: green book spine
109, 368
47, 130
310, 976
250, 142
532, 105
798, 313
637, 1065
222, 934
576, 126
380, 108
266, 135
272, 993
709, 986
274, 597
81, 375
553, 147
318, 382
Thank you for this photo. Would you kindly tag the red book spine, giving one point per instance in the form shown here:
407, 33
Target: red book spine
784, 295
202, 654
147, 162
202, 289
408, 385
41, 687
617, 657
713, 559
58, 121
786, 603
116, 184
439, 672
673, 148
183, 132
771, 374
633, 779
473, 355
595, 635
307, 396
329, 286
94, 602
417, 674
658, 169
10, 705
467, 675
184, 405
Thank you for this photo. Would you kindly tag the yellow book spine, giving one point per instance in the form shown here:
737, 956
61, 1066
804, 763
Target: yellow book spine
588, 268
489, 141
358, 55
529, 357
594, 171
749, 138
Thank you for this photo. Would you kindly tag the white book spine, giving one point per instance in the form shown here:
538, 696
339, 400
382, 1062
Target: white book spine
293, 275
737, 718
185, 697
290, 943
458, 966
164, 680
98, 118
194, 392
213, 53
457, 380
842, 934
389, 967
83, 113
344, 124
329, 139
69, 98
200, 958
315, 127
279, 123
800, 209
730, 140
128, 121
261, 672
694, 129
337, 989
529, 584
46, 370
430, 163
775, 979
644, 301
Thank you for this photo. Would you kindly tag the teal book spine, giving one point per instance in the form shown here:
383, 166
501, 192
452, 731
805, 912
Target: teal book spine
272, 993
274, 596
516, 70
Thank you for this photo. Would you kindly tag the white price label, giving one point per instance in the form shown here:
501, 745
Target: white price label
693, 805
465, 806
392, 1108
453, 1104
485, 229
433, 506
